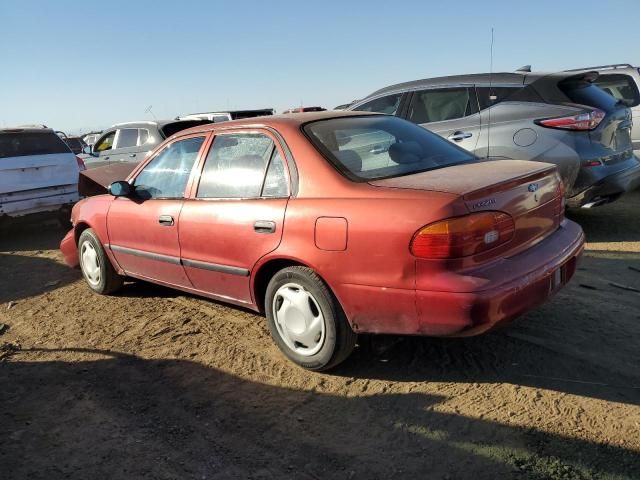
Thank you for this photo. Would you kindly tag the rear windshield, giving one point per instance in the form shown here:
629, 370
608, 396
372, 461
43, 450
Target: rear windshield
20, 144
376, 147
586, 93
175, 127
621, 87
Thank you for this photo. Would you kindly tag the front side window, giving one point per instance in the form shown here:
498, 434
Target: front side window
441, 104
621, 87
236, 166
372, 147
388, 104
105, 143
127, 137
167, 174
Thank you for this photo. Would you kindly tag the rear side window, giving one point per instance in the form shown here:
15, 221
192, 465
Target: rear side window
127, 137
621, 87
388, 104
489, 96
21, 144
236, 166
167, 174
585, 93
442, 104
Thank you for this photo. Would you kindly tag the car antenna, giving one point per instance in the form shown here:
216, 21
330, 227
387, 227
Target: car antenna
490, 96
149, 109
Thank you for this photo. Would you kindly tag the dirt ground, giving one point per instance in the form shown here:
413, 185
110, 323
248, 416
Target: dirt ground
152, 383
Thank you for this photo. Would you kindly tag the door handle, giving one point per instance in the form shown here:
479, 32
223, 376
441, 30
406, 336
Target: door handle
132, 155
165, 220
458, 136
264, 226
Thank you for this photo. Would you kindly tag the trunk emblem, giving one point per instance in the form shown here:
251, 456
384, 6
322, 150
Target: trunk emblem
483, 203
533, 187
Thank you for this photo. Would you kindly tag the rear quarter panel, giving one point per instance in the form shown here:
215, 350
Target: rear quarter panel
515, 135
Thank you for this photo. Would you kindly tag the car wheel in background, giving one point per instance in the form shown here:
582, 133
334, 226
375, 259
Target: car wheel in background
95, 265
306, 321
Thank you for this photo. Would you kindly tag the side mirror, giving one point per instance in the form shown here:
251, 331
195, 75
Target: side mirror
120, 189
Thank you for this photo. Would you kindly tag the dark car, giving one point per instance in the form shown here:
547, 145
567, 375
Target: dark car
225, 116
131, 142
561, 118
76, 144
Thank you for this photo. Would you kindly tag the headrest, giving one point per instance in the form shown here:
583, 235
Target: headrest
406, 152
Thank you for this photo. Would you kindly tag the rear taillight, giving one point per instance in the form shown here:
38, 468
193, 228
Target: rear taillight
81, 164
582, 121
463, 236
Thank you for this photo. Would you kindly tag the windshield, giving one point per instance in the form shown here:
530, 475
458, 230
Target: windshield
375, 147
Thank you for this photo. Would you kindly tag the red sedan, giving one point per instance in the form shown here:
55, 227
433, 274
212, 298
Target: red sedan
333, 224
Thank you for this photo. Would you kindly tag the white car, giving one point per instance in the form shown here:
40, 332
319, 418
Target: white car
38, 173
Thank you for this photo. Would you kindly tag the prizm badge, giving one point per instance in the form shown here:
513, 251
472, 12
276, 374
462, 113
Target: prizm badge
533, 187
483, 203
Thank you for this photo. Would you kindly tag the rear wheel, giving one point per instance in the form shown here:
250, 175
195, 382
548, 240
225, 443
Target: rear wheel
306, 320
95, 265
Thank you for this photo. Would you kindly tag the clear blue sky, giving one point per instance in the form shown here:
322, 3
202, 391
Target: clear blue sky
84, 64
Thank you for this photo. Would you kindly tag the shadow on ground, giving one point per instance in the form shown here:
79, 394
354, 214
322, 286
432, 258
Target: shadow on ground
119, 417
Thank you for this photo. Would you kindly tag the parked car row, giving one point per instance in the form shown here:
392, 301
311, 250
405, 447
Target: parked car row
433, 207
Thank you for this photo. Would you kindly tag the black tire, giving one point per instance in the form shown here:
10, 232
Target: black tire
109, 281
339, 338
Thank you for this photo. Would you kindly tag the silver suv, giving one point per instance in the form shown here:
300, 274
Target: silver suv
561, 118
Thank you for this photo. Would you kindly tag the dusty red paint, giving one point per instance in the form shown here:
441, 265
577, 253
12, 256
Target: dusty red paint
356, 236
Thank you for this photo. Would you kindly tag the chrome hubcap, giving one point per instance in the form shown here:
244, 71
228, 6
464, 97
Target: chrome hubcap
298, 319
90, 263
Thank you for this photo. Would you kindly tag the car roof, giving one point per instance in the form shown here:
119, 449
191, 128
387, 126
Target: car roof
520, 78
289, 119
142, 123
26, 128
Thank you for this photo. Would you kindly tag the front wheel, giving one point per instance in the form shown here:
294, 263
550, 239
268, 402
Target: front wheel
95, 265
306, 320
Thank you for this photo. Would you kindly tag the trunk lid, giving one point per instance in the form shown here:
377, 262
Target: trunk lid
530, 192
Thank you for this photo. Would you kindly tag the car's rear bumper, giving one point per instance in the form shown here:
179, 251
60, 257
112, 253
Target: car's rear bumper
608, 188
69, 249
505, 289
16, 204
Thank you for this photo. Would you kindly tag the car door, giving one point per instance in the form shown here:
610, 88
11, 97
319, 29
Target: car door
235, 214
102, 150
143, 228
125, 145
451, 112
